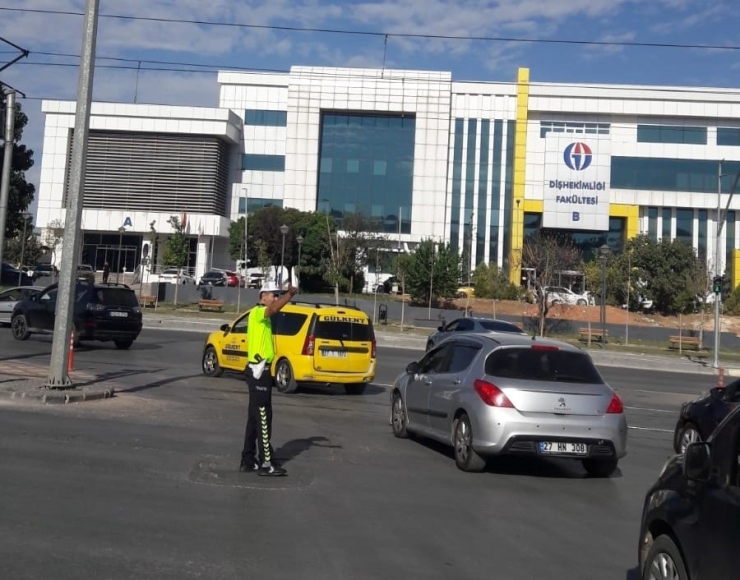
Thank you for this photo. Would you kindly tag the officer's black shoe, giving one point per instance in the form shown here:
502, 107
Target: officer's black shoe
249, 467
272, 471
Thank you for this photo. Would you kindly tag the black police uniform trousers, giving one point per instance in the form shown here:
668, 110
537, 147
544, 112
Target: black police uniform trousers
257, 447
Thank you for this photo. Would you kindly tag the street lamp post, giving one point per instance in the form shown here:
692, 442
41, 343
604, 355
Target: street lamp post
121, 230
26, 216
300, 240
629, 283
283, 230
604, 252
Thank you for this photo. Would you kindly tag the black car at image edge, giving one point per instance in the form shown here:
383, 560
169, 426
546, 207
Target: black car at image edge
690, 525
102, 312
699, 418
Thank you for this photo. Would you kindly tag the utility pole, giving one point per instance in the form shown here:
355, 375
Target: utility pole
7, 165
717, 273
58, 375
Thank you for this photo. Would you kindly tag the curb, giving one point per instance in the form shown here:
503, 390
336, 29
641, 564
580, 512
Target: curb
57, 398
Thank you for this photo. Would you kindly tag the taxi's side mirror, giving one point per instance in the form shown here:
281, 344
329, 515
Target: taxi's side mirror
225, 328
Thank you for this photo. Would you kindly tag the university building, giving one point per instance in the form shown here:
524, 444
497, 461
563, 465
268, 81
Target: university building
479, 164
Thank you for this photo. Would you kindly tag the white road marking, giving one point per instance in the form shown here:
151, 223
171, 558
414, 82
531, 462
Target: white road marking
650, 429
651, 410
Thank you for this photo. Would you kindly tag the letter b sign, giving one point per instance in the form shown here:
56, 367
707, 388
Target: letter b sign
576, 216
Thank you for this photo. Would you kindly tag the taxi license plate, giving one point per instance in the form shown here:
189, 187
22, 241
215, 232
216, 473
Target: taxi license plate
561, 448
335, 354
118, 314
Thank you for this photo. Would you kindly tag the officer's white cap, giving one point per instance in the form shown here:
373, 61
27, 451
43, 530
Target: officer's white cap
270, 287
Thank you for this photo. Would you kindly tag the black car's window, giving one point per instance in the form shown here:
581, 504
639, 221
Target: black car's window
9, 296
499, 326
452, 326
462, 357
50, 295
542, 364
436, 361
288, 323
343, 330
465, 325
116, 297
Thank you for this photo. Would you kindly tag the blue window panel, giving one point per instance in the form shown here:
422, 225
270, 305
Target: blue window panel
588, 242
469, 193
480, 238
671, 134
266, 118
653, 223
498, 138
456, 184
730, 239
371, 169
252, 204
667, 217
685, 226
702, 249
663, 174
728, 136
508, 189
254, 162
574, 128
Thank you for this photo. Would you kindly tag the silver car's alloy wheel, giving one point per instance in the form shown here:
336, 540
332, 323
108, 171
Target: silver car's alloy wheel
689, 434
398, 417
463, 441
663, 568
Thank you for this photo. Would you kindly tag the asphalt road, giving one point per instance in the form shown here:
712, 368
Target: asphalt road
145, 485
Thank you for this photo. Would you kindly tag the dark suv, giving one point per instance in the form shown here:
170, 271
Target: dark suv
691, 517
102, 312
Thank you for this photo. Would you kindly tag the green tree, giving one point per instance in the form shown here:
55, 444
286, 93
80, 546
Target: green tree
21, 192
490, 281
433, 267
177, 247
24, 252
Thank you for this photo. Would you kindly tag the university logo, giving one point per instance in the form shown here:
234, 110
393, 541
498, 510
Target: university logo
577, 156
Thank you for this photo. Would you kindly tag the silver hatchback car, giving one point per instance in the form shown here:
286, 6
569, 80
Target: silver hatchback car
506, 394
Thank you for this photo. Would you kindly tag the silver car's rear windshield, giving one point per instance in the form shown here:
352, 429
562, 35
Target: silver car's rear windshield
542, 364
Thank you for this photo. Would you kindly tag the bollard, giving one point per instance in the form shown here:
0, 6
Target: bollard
71, 359
721, 378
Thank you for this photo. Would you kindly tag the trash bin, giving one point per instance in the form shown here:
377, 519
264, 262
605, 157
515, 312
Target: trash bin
383, 314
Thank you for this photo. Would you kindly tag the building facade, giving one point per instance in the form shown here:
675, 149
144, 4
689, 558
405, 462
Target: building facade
478, 164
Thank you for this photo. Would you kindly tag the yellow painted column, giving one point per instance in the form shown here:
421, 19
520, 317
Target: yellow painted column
735, 268
632, 213
520, 169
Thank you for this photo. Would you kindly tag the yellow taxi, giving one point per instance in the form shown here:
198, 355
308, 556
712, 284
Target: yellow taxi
314, 343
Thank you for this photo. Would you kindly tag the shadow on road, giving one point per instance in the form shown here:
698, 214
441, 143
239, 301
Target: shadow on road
25, 356
336, 390
156, 384
292, 449
633, 574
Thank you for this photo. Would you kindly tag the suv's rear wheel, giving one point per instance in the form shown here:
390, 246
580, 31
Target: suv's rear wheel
123, 343
664, 561
284, 377
19, 327
600, 467
210, 365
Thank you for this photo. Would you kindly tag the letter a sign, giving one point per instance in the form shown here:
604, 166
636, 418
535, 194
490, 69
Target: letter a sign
127, 223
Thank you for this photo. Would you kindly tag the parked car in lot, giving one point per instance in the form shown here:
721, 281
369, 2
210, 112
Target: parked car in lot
214, 278
170, 276
562, 295
102, 312
45, 270
12, 276
487, 395
315, 343
471, 324
10, 297
699, 418
689, 527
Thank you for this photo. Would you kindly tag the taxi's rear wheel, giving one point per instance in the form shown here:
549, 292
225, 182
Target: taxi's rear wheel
210, 365
284, 380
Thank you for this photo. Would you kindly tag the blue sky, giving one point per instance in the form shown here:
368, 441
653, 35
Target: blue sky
687, 22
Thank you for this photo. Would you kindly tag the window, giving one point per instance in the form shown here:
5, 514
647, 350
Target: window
685, 226
240, 326
331, 330
671, 134
574, 128
462, 356
252, 204
667, 218
255, 162
435, 361
288, 323
533, 364
499, 326
464, 325
664, 174
10, 296
266, 118
653, 223
116, 297
728, 136
452, 326
50, 295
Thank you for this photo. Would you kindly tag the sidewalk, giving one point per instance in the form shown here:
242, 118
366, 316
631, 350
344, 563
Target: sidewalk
413, 341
